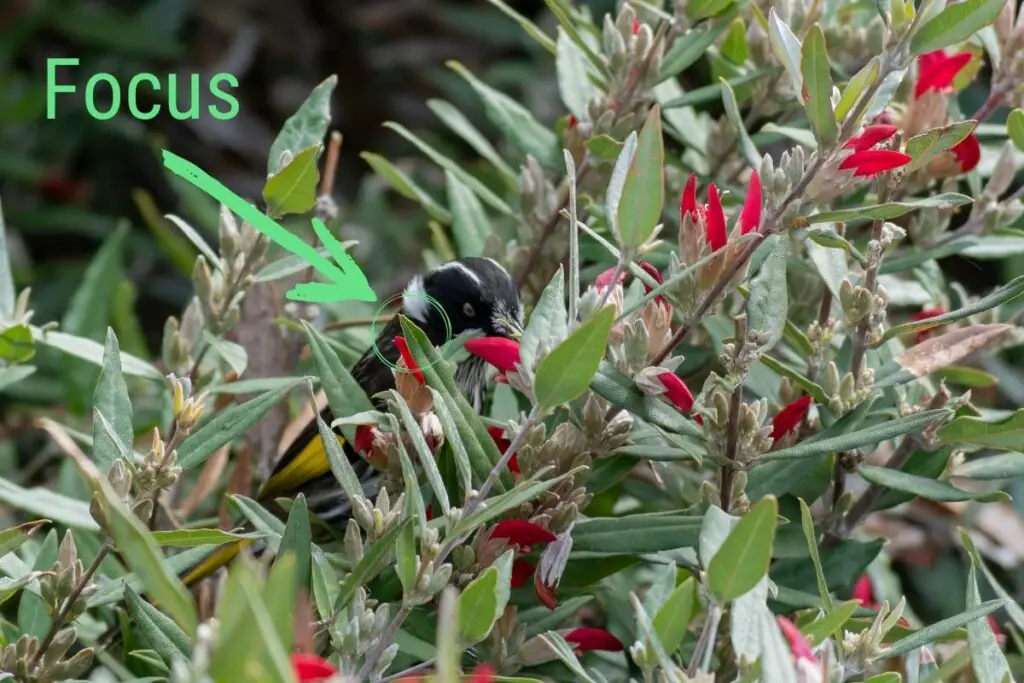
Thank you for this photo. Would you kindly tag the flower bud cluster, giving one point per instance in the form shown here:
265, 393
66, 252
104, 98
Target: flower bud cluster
376, 519
216, 305
357, 627
846, 392
859, 650
60, 591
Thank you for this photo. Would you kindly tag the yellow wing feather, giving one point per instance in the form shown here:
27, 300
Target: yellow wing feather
310, 463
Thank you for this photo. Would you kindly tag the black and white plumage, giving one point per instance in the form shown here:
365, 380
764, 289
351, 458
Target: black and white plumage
476, 295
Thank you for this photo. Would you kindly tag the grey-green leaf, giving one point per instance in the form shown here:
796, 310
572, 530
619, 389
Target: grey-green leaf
768, 304
112, 402
306, 127
566, 372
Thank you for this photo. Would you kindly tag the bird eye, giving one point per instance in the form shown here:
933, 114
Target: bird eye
467, 309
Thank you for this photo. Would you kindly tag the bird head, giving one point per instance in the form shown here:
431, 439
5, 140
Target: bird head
476, 295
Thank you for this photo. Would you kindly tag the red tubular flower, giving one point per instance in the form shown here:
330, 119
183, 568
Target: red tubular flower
498, 436
924, 314
309, 668
573, 121
522, 570
864, 593
715, 217
790, 416
750, 216
676, 391
403, 350
871, 162
688, 202
604, 280
798, 643
587, 639
364, 438
500, 352
636, 26
547, 595
871, 136
936, 71
967, 153
522, 532
483, 674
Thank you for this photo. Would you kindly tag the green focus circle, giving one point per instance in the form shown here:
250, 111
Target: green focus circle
399, 297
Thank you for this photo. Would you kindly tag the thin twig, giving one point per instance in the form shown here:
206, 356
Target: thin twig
732, 438
331, 164
859, 346
59, 620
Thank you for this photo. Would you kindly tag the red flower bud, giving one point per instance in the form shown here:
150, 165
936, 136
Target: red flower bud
937, 70
924, 314
500, 352
798, 643
522, 570
871, 136
715, 216
483, 674
363, 441
498, 436
573, 122
676, 391
790, 416
688, 202
863, 592
586, 639
871, 162
310, 668
403, 350
636, 27
967, 153
604, 280
521, 532
750, 216
547, 595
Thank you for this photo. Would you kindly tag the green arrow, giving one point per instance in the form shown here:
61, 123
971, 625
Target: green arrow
347, 280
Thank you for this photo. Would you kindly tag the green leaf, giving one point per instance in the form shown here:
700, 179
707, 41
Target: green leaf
947, 200
453, 440
643, 193
617, 183
159, 632
296, 540
807, 523
573, 75
481, 190
828, 624
928, 145
50, 504
291, 264
33, 615
142, 555
531, 29
923, 487
280, 597
521, 493
226, 426
1001, 466
935, 631
338, 460
1007, 292
862, 437
406, 559
293, 188
515, 122
368, 567
987, 659
194, 538
566, 372
1005, 434
860, 82
306, 127
12, 538
548, 321
732, 109
693, 45
427, 462
9, 587
470, 226
734, 47
482, 451
112, 402
11, 375
817, 75
91, 351
1015, 127
345, 395
744, 557
401, 183
702, 9
768, 303
7, 293
464, 128
674, 616
478, 607
955, 24
565, 22
786, 47
16, 344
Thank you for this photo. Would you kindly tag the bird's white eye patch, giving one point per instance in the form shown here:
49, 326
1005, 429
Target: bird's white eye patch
467, 309
414, 300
